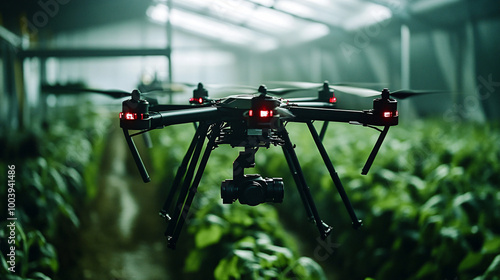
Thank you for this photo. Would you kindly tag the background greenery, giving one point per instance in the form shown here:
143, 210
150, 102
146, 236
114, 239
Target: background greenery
56, 167
430, 204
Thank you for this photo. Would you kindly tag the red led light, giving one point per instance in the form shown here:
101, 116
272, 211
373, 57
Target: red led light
333, 99
262, 113
387, 114
196, 100
130, 116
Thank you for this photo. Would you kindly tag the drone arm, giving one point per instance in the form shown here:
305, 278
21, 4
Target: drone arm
365, 117
159, 119
305, 114
165, 118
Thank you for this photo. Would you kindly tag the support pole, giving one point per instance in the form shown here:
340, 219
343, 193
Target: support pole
194, 187
335, 177
185, 186
289, 151
181, 171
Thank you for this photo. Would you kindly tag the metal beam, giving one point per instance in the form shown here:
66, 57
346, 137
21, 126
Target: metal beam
10, 37
71, 53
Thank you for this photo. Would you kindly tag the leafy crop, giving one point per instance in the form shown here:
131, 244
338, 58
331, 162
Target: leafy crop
429, 205
53, 164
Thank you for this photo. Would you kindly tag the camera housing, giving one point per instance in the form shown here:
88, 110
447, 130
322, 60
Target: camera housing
252, 190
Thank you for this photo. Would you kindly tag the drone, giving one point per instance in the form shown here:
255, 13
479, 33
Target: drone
250, 121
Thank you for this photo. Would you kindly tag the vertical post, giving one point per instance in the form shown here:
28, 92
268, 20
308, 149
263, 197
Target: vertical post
405, 56
169, 46
405, 67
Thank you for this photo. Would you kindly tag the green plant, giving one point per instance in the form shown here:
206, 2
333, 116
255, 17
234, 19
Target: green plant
429, 204
229, 241
50, 185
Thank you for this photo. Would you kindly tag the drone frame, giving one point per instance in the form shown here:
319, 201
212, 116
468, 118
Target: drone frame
213, 118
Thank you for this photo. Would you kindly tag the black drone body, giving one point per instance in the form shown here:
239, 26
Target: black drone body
249, 121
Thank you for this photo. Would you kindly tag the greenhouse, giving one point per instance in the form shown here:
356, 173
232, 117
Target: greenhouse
249, 139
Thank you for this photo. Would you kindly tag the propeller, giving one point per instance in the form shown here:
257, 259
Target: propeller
363, 92
114, 93
402, 94
354, 90
60, 89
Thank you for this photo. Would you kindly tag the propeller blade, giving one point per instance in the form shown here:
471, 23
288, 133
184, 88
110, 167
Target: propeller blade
363, 92
58, 89
313, 104
302, 85
302, 99
344, 87
172, 107
282, 91
355, 90
402, 94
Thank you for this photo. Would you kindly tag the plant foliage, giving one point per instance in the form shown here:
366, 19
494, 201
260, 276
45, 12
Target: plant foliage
51, 162
430, 207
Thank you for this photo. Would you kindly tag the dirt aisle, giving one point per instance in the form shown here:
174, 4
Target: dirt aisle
121, 238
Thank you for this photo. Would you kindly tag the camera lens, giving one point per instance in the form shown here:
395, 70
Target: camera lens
228, 192
275, 190
252, 190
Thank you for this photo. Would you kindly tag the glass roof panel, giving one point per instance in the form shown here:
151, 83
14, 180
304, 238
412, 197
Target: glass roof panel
250, 22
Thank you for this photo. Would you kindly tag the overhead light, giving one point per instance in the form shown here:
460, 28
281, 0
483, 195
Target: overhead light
158, 12
313, 31
267, 3
214, 29
370, 14
320, 2
295, 8
271, 21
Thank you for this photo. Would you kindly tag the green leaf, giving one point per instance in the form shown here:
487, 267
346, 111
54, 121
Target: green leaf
266, 260
472, 260
430, 268
245, 255
3, 262
66, 209
227, 269
208, 235
306, 268
39, 275
493, 270
491, 245
193, 261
